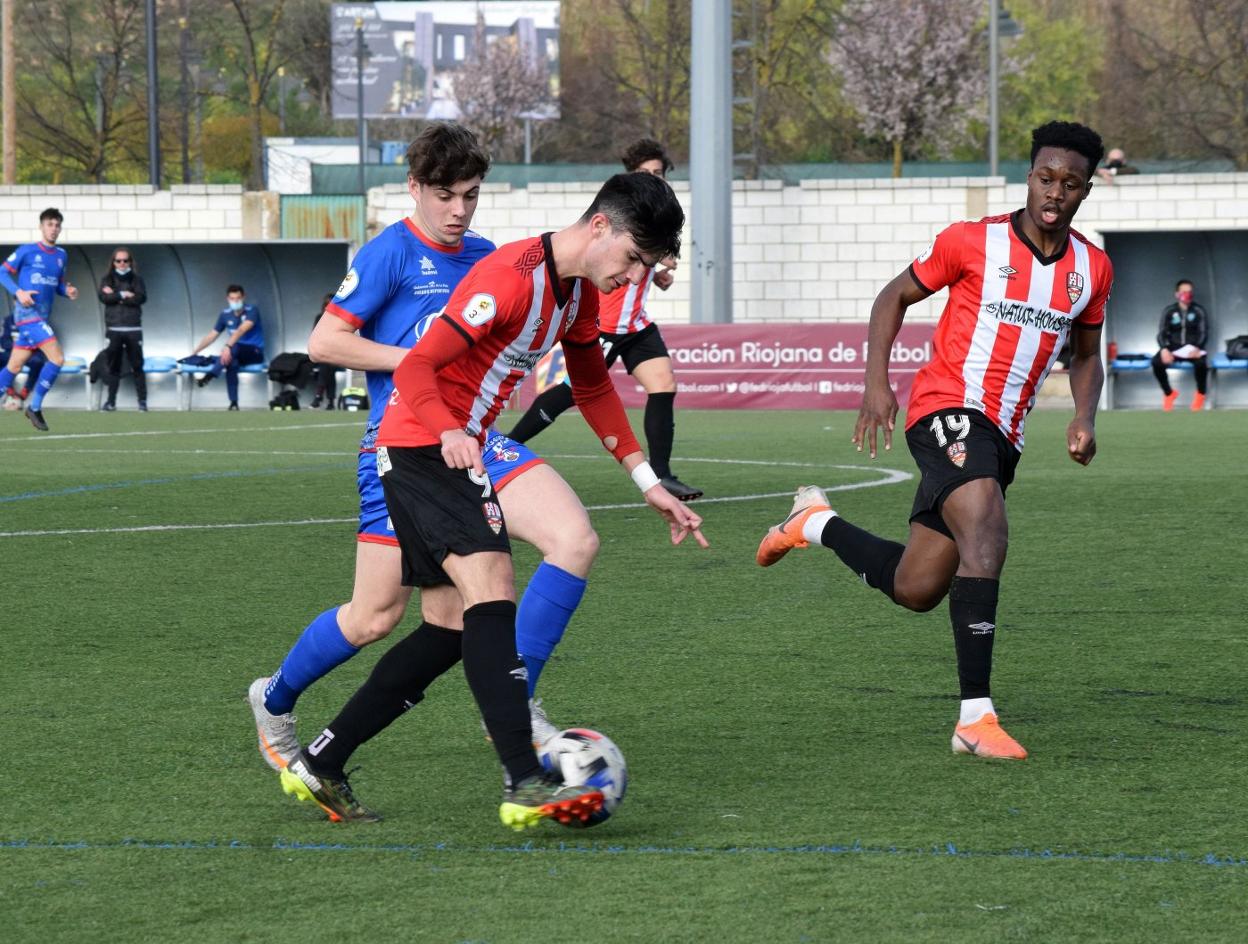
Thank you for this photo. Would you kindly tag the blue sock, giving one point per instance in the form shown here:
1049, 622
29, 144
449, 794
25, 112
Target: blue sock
47, 377
6, 379
320, 649
545, 610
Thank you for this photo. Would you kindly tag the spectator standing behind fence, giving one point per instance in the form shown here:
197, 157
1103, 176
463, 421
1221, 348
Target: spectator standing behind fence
1115, 166
326, 374
14, 399
123, 294
244, 342
1183, 334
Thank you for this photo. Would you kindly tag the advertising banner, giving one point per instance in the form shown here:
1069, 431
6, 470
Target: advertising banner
764, 366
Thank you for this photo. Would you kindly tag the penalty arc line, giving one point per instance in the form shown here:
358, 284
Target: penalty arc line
890, 477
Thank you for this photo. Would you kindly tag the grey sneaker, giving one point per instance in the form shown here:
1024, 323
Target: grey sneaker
332, 795
274, 733
543, 797
543, 730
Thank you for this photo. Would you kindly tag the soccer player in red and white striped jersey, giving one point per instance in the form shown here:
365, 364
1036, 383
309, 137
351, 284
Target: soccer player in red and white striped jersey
509, 310
628, 334
1019, 286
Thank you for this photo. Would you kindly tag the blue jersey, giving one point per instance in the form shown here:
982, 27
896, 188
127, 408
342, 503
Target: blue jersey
397, 279
38, 268
229, 320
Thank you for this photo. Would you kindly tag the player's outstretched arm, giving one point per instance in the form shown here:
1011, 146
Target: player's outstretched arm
1087, 375
676, 513
879, 404
334, 341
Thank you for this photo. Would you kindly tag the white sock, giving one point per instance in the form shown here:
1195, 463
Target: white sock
812, 530
975, 708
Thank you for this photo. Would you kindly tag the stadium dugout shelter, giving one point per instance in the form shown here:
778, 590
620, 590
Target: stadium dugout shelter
186, 282
1146, 267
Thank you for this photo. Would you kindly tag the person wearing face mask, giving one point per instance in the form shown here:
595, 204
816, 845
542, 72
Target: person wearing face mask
244, 341
123, 293
1182, 336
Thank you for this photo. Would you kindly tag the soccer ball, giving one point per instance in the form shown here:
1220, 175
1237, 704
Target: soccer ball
12, 403
582, 756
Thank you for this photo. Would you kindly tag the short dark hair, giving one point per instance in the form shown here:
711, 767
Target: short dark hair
231, 289
1069, 136
51, 213
1184, 282
444, 153
646, 149
644, 206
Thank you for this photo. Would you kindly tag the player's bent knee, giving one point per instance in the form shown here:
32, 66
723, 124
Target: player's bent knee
365, 627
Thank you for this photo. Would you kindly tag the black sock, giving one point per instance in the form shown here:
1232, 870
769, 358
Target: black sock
660, 425
872, 558
547, 408
499, 684
398, 682
973, 611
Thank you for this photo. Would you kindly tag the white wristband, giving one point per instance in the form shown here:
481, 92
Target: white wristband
644, 477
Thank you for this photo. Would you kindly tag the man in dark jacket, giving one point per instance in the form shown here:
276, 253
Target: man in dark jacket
123, 293
1182, 336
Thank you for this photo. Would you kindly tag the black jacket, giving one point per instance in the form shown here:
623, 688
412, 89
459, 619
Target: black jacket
123, 312
1178, 329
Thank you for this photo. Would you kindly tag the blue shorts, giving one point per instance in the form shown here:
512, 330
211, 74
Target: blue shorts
504, 459
33, 333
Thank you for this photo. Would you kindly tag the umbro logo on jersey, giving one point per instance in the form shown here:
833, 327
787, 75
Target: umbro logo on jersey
427, 267
1008, 271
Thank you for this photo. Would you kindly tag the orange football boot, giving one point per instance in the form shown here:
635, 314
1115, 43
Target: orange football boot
1167, 401
986, 738
1198, 402
788, 534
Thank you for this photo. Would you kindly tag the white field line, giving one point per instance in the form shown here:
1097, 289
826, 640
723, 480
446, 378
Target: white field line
31, 440
890, 477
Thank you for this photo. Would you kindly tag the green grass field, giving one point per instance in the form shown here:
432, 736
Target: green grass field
787, 730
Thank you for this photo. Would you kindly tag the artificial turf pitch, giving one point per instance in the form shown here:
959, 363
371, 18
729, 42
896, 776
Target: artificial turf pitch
787, 730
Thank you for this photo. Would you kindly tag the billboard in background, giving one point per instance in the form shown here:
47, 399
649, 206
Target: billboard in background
414, 51
764, 366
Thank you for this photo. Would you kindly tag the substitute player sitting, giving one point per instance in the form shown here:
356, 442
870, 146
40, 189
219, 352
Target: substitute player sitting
510, 310
1018, 285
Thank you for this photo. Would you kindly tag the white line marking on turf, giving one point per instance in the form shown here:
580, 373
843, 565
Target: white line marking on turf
890, 477
232, 431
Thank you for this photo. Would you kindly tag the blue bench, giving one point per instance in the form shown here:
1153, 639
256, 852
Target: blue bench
187, 373
1127, 364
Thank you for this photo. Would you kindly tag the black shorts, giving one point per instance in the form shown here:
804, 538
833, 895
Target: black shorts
437, 511
952, 447
643, 345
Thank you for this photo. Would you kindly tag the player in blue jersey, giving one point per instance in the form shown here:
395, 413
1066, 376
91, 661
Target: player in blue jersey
397, 283
35, 274
244, 341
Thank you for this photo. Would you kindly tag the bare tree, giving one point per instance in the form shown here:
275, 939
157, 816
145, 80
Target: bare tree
497, 85
259, 50
1180, 77
80, 102
914, 69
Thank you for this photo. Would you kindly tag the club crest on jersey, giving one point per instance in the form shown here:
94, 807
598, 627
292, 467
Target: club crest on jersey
427, 267
480, 309
570, 313
957, 453
348, 284
1074, 286
493, 516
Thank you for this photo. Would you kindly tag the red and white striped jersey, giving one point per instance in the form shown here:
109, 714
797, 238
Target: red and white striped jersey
1010, 309
511, 308
624, 310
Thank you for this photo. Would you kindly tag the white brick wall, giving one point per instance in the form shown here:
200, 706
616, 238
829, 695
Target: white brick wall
815, 252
